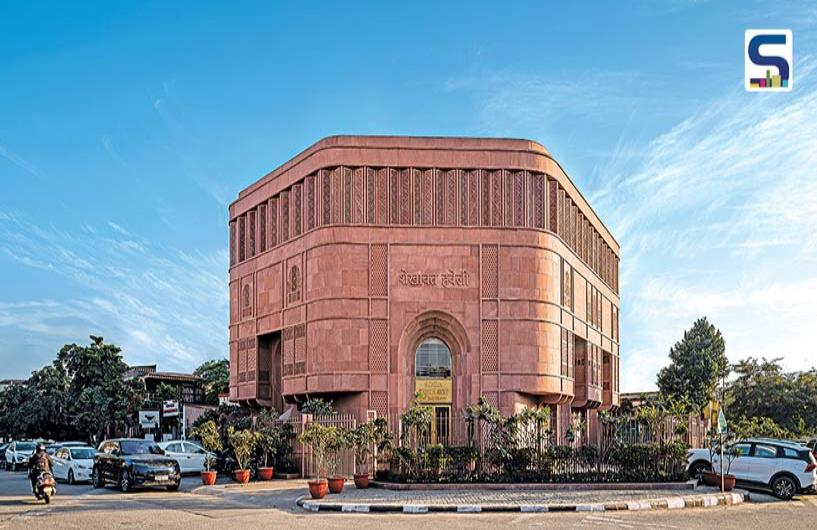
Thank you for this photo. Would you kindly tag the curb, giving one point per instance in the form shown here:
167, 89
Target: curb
669, 503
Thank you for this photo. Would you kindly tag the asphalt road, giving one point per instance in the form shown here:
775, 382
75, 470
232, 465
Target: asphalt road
83, 507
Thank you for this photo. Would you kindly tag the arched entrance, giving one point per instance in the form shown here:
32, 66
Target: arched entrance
436, 335
432, 382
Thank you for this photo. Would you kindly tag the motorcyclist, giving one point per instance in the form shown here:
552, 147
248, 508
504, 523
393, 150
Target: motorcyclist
40, 462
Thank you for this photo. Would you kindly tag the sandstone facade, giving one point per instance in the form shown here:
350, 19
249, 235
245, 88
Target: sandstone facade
349, 257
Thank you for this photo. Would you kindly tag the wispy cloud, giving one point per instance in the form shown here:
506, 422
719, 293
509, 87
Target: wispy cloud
160, 304
714, 209
716, 218
20, 162
525, 101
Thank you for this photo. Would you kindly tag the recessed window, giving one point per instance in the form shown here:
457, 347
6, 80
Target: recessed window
433, 359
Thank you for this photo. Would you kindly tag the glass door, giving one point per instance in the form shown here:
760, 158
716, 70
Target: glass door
441, 426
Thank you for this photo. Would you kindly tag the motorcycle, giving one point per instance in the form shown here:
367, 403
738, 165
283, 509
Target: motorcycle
46, 487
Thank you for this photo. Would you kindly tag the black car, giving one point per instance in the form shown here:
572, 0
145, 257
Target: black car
130, 463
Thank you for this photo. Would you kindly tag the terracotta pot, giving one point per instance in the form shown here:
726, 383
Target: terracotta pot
362, 481
208, 478
710, 479
714, 479
241, 475
266, 473
336, 484
317, 488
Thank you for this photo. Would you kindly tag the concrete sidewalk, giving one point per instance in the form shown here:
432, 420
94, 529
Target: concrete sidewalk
291, 494
474, 500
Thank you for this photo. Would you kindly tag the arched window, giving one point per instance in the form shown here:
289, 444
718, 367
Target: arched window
432, 360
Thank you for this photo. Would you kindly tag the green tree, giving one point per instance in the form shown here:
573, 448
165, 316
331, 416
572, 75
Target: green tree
763, 392
100, 399
697, 363
13, 420
47, 408
215, 375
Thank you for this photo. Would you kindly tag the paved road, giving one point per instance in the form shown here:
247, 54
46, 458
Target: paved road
82, 507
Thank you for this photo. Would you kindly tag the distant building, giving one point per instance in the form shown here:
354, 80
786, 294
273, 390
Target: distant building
189, 387
5, 383
637, 399
189, 392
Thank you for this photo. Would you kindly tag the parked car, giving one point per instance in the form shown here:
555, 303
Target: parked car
189, 455
18, 453
73, 463
786, 468
3, 454
131, 463
52, 448
72, 444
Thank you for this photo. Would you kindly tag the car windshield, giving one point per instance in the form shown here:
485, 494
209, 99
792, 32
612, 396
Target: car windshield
82, 453
25, 446
139, 447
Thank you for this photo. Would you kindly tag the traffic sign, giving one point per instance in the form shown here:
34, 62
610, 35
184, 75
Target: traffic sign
722, 427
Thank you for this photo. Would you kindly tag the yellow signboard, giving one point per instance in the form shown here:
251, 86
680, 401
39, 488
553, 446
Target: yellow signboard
433, 390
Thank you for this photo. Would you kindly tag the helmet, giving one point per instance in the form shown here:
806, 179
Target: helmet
40, 447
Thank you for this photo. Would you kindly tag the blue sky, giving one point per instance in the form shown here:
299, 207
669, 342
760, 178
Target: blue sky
127, 128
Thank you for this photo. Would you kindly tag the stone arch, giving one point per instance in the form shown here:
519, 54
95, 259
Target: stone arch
437, 324
447, 328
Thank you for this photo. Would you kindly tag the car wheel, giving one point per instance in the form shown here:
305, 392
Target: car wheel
124, 481
96, 478
784, 487
174, 487
697, 468
71, 477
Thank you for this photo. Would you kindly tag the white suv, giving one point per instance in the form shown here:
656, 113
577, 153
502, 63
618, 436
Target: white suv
784, 467
18, 453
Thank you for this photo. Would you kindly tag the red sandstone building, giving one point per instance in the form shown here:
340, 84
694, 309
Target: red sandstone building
368, 268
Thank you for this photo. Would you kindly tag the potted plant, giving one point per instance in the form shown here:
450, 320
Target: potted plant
208, 435
318, 437
369, 435
267, 445
730, 453
267, 442
243, 443
337, 444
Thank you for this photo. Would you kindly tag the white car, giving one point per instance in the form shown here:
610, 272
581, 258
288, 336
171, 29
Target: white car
784, 467
73, 463
189, 455
18, 453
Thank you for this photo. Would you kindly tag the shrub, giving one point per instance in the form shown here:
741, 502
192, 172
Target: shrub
319, 438
243, 442
369, 435
208, 435
316, 407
